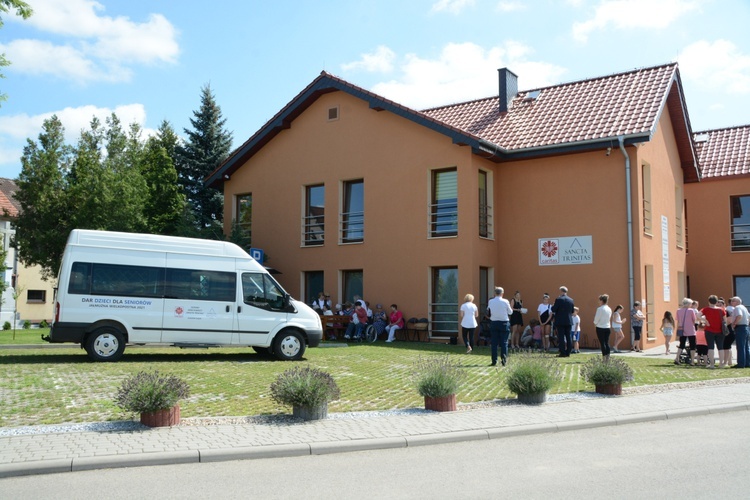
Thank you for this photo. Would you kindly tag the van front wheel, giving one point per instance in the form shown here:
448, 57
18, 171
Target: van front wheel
289, 345
105, 344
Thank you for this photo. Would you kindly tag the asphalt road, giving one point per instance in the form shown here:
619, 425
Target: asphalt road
697, 457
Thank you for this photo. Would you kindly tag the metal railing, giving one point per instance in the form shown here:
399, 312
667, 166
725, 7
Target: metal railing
740, 237
485, 221
444, 319
351, 227
313, 230
443, 219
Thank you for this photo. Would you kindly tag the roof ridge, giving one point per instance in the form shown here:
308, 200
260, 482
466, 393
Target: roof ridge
697, 132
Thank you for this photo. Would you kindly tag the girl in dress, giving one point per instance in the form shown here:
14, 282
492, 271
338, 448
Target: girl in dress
667, 328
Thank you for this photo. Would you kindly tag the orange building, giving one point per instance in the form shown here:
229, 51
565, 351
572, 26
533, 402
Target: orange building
579, 184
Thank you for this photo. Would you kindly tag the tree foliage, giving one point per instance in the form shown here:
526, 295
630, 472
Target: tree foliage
110, 180
22, 9
208, 144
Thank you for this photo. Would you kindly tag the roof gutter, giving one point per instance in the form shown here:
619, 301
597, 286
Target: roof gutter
628, 190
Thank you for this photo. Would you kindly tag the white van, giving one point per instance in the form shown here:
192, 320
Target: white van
117, 288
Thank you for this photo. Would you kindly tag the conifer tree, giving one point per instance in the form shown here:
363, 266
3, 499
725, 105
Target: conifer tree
208, 144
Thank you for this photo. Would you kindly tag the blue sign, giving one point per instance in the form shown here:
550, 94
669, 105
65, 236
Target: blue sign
257, 254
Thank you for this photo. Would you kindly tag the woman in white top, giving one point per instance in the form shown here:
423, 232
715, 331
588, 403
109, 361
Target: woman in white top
617, 322
469, 314
602, 323
544, 311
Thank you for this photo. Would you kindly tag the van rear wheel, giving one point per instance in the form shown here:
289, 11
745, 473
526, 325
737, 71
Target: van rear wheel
105, 344
289, 345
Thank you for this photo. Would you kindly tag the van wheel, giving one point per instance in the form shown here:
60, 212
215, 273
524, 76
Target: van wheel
105, 344
289, 345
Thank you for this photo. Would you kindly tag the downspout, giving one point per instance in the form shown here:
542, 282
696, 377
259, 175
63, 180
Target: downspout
631, 280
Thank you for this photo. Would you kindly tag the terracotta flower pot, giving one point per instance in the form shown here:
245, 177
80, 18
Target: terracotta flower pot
532, 399
611, 389
162, 418
311, 412
445, 403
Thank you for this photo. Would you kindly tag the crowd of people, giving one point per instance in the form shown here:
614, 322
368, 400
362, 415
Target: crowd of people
700, 332
360, 316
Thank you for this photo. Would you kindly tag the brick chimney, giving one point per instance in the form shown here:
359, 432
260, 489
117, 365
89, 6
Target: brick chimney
508, 88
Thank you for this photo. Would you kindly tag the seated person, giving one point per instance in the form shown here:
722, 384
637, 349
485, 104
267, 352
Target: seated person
527, 337
536, 329
379, 319
358, 322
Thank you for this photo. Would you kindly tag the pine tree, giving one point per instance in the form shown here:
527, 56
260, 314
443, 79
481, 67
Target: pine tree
165, 203
207, 145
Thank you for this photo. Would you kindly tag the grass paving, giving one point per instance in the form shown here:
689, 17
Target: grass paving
51, 386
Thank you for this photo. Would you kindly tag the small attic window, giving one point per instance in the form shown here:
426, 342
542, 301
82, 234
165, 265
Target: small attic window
701, 137
530, 96
333, 113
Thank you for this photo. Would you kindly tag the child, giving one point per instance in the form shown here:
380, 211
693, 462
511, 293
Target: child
617, 322
702, 347
667, 328
536, 327
575, 331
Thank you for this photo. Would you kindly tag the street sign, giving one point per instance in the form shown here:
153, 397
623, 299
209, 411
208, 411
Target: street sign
257, 254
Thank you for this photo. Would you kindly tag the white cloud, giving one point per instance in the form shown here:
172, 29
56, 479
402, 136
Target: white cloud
464, 71
452, 6
628, 14
719, 66
510, 6
22, 126
379, 61
101, 47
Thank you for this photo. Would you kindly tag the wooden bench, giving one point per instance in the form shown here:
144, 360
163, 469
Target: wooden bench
335, 325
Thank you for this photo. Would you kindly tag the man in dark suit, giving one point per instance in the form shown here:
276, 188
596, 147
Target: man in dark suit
563, 311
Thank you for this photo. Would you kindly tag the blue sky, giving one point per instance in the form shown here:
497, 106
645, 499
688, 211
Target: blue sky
147, 60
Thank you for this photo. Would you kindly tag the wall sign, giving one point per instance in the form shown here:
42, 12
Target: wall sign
665, 256
565, 251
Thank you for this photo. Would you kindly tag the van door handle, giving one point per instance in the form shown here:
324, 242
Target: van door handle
239, 309
228, 308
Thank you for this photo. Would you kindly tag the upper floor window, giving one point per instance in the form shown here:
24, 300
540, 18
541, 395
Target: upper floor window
353, 212
244, 211
740, 228
313, 222
444, 203
647, 210
485, 210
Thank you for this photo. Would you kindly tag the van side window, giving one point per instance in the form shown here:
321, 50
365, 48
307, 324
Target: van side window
110, 279
201, 285
80, 278
260, 290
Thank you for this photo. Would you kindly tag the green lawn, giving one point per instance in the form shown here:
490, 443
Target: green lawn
45, 386
23, 336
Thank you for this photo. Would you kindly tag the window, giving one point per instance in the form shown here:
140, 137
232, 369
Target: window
679, 217
36, 296
314, 219
244, 211
742, 288
260, 290
333, 113
485, 210
444, 306
353, 282
647, 306
353, 212
740, 229
484, 290
444, 203
110, 279
191, 284
647, 215
313, 285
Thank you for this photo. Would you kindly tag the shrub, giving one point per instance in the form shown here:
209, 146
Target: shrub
532, 373
149, 392
304, 386
43, 324
6, 325
612, 371
26, 324
438, 376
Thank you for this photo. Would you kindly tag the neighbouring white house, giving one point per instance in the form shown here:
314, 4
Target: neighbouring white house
34, 300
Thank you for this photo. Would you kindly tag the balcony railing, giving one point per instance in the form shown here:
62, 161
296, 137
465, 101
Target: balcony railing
351, 227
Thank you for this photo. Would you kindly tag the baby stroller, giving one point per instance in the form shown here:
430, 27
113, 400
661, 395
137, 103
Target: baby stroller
484, 332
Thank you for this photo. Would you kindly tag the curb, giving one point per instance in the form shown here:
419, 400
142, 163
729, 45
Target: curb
328, 447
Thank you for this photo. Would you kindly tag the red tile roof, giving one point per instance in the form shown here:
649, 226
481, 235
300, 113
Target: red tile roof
617, 105
9, 206
723, 152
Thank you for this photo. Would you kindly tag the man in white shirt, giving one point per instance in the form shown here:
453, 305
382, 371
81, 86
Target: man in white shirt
740, 318
499, 310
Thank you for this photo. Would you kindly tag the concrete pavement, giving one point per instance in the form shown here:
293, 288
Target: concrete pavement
76, 451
